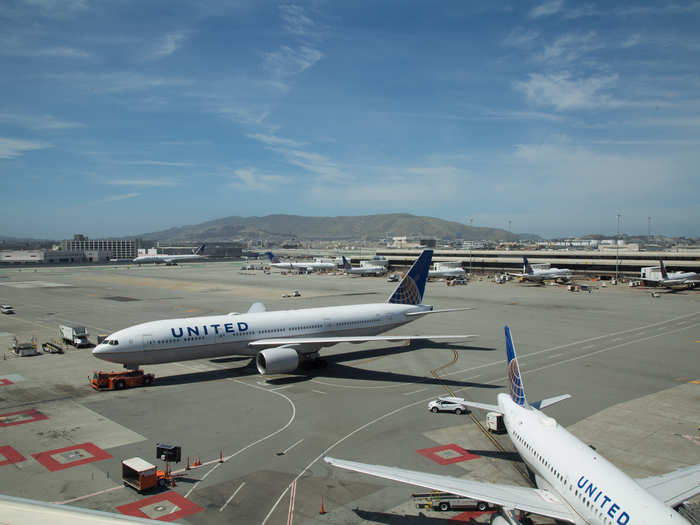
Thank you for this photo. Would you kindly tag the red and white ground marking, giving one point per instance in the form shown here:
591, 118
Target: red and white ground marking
69, 457
168, 506
9, 456
447, 454
20, 418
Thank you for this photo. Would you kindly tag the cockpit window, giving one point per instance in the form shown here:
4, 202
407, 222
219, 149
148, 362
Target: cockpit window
113, 342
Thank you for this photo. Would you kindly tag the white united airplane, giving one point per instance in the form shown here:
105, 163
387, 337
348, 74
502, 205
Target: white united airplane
368, 269
575, 483
539, 275
171, 259
310, 266
280, 340
675, 279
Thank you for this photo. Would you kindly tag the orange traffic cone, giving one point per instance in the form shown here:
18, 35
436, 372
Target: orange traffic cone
323, 511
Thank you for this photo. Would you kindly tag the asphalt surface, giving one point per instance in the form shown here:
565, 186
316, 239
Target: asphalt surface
609, 349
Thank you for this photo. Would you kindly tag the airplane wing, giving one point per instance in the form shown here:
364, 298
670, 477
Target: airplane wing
675, 487
349, 339
537, 501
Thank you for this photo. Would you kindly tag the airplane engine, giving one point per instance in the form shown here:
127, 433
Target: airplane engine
277, 360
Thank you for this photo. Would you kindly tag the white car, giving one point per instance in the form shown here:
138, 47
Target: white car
6, 309
448, 404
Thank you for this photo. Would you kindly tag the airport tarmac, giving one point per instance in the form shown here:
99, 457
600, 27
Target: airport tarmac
629, 360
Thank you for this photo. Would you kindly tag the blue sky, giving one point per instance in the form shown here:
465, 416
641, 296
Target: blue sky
123, 117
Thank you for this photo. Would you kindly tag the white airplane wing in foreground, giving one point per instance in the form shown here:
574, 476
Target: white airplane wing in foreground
292, 341
537, 501
675, 487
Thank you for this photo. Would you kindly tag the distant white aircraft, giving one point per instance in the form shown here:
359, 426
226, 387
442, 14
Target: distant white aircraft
675, 279
311, 266
539, 274
171, 259
22, 510
368, 269
281, 340
446, 272
575, 483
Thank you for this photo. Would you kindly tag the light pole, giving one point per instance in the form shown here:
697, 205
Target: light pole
471, 246
617, 249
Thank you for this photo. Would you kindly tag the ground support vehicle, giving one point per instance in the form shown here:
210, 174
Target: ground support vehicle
120, 380
448, 404
6, 309
141, 475
74, 335
51, 348
445, 501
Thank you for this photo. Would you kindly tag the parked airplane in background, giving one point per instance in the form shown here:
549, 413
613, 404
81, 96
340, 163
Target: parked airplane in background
367, 269
542, 274
311, 266
446, 271
575, 483
171, 259
675, 279
281, 340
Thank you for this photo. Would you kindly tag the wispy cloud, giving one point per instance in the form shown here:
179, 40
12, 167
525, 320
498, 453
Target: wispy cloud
43, 122
250, 180
272, 140
288, 61
159, 163
242, 114
564, 92
167, 45
12, 148
632, 40
16, 47
520, 38
143, 182
570, 47
116, 82
295, 21
547, 9
121, 197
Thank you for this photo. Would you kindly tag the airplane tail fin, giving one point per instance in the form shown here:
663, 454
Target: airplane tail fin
272, 257
526, 266
346, 264
664, 275
200, 250
412, 287
517, 389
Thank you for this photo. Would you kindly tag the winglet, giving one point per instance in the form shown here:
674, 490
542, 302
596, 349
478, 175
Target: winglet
412, 287
526, 266
664, 275
517, 389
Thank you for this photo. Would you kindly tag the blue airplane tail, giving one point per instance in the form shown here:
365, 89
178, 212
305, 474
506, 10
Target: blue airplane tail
346, 264
412, 287
517, 389
272, 257
526, 266
664, 275
200, 250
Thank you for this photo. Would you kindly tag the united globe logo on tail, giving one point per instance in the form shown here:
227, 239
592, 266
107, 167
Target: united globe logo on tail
411, 288
517, 389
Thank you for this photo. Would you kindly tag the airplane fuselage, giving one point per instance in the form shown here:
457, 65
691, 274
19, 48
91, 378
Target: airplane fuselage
596, 490
223, 335
166, 259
